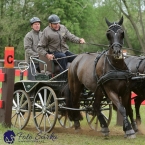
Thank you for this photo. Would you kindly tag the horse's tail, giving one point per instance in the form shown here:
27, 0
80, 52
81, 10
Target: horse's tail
68, 98
67, 95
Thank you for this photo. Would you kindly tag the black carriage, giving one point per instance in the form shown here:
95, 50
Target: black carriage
44, 97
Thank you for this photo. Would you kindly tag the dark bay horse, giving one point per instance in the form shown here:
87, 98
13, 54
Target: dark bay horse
137, 65
105, 74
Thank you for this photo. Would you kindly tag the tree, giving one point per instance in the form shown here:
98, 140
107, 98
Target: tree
82, 17
78, 16
134, 12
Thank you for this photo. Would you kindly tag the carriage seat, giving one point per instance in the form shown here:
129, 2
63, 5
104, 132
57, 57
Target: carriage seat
52, 68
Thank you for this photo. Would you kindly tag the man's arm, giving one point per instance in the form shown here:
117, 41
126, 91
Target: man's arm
73, 38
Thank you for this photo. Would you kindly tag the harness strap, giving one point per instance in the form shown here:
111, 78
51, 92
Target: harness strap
111, 75
137, 67
95, 63
114, 75
95, 74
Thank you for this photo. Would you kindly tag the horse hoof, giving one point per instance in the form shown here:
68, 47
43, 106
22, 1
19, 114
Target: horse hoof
136, 130
77, 130
138, 122
134, 126
130, 136
105, 131
106, 134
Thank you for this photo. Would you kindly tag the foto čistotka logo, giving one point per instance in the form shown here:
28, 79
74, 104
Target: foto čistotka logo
9, 137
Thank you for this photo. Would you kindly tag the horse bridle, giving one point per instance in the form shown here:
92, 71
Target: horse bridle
115, 43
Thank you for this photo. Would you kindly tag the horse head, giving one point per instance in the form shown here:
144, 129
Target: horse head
115, 36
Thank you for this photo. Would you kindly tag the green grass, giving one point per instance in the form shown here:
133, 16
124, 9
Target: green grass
86, 136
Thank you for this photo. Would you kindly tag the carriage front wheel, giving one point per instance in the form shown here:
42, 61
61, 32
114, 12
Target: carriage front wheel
45, 109
106, 110
21, 109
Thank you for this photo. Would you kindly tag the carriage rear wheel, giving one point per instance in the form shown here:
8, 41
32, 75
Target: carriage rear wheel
21, 109
45, 109
64, 121
106, 110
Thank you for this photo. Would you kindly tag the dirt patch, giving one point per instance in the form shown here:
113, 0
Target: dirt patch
85, 130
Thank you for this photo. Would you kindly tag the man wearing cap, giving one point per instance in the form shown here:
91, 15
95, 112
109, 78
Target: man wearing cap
31, 40
53, 42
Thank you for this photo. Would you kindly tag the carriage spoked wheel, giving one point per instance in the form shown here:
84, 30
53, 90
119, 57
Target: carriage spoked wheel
21, 109
45, 109
106, 110
64, 121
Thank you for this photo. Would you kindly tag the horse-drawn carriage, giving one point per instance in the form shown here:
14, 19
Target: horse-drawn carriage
92, 84
45, 101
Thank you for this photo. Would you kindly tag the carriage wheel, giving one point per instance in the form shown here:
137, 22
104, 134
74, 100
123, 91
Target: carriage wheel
106, 110
64, 121
21, 109
45, 109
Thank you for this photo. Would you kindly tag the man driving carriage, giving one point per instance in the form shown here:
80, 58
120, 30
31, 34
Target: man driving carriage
54, 38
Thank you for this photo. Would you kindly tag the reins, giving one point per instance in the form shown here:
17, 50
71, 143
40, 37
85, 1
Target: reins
96, 44
108, 45
65, 57
88, 43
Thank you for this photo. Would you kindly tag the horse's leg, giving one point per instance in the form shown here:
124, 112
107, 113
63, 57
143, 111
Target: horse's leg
127, 128
138, 100
97, 105
133, 122
130, 114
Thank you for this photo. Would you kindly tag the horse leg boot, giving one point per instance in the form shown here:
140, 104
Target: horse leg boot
127, 128
133, 122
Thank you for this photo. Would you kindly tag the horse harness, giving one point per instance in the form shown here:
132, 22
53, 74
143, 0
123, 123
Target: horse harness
138, 65
115, 32
114, 74
139, 83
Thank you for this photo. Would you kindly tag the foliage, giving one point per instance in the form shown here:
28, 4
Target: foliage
83, 18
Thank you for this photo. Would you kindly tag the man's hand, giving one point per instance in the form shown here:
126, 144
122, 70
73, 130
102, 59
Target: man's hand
50, 56
82, 41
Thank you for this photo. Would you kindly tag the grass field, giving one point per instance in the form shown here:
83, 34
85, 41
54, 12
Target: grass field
85, 136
